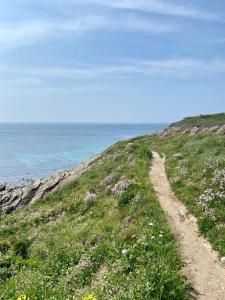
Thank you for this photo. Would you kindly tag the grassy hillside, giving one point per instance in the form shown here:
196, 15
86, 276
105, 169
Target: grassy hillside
103, 237
201, 121
196, 170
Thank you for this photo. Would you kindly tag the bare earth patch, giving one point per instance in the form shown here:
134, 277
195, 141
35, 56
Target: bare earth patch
202, 266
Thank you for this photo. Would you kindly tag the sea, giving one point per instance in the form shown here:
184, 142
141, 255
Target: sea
34, 151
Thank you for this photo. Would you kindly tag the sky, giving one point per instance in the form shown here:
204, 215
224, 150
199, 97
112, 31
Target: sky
121, 61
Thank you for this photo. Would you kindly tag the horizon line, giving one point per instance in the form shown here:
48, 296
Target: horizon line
80, 123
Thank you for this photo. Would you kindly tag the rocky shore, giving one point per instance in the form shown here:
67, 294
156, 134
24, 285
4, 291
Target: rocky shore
12, 198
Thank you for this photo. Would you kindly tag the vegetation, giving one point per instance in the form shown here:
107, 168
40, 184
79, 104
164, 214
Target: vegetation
201, 121
103, 237
196, 170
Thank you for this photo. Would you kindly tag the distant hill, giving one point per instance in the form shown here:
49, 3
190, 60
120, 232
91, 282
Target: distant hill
201, 121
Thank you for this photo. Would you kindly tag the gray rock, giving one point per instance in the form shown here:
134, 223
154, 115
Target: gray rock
35, 190
191, 131
108, 180
175, 129
2, 186
212, 129
90, 198
221, 130
194, 130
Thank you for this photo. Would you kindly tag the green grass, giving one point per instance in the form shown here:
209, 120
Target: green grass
196, 170
113, 246
201, 121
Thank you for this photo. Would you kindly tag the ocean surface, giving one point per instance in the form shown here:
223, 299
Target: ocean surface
37, 150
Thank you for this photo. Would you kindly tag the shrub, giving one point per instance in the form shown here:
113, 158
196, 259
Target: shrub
205, 224
75, 207
128, 196
4, 246
5, 274
5, 262
20, 248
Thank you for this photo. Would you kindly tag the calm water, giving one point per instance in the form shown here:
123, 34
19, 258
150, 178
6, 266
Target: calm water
37, 150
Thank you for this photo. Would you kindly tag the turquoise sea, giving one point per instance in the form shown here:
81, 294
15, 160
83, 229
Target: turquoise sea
37, 150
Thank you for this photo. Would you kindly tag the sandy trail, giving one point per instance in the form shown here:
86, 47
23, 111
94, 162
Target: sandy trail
202, 266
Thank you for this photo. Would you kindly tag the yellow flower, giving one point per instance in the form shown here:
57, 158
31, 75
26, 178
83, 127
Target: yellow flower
22, 297
89, 297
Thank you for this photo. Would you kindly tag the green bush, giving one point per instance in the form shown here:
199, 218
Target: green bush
128, 196
5, 275
4, 246
205, 225
20, 248
5, 262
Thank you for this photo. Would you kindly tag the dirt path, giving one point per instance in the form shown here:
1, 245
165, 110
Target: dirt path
202, 266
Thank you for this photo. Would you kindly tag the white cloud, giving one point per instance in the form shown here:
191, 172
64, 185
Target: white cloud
134, 23
21, 82
30, 32
171, 68
182, 68
179, 68
152, 6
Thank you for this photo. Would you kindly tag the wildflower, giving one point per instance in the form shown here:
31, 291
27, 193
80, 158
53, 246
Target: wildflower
160, 235
124, 251
150, 224
137, 198
89, 297
152, 237
85, 261
22, 297
121, 186
182, 170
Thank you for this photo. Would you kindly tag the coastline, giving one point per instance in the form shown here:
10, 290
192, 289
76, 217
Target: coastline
34, 151
12, 198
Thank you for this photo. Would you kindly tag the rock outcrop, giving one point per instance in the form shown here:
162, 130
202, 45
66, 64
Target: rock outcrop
34, 190
2, 186
191, 130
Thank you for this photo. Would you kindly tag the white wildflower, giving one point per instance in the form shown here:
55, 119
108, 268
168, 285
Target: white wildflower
124, 251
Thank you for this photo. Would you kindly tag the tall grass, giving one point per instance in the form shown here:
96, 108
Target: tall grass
118, 247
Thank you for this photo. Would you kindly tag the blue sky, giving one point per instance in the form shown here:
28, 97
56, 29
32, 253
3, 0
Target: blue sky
111, 60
